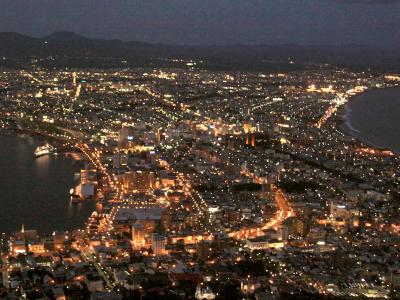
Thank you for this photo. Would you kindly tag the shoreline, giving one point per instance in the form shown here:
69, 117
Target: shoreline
27, 134
34, 134
18, 132
343, 122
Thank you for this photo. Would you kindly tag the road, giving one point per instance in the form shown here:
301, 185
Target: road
94, 156
284, 211
88, 257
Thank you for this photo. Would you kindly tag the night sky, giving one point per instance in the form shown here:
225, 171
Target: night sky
375, 22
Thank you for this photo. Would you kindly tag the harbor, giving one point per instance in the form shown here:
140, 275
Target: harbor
36, 189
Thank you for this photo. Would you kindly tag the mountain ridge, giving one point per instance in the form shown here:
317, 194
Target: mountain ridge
69, 48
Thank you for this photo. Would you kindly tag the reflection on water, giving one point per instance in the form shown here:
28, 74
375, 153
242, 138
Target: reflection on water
75, 208
42, 165
35, 192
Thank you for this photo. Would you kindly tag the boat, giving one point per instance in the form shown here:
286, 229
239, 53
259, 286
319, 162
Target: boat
44, 150
76, 199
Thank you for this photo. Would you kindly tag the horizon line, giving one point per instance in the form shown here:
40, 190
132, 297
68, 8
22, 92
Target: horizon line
79, 35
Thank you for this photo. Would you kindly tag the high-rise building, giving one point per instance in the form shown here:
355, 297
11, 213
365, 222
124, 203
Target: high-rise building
120, 159
158, 242
138, 235
203, 250
165, 220
125, 134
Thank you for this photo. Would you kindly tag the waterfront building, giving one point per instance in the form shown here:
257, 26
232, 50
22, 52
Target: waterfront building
88, 176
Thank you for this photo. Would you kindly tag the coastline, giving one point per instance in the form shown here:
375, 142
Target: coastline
15, 131
73, 217
344, 125
57, 142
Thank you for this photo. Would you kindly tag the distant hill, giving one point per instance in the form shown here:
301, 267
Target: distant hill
69, 49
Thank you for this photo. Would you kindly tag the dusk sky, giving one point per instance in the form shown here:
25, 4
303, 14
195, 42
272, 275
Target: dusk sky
374, 22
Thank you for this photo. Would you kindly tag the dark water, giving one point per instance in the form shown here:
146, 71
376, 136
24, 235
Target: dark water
374, 117
35, 192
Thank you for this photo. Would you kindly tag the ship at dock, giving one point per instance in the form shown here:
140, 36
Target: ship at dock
44, 150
